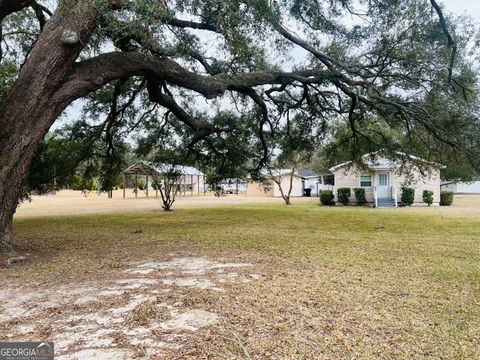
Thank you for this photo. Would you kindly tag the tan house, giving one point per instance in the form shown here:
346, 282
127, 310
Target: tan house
270, 188
384, 178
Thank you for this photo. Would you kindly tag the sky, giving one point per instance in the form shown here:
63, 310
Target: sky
460, 7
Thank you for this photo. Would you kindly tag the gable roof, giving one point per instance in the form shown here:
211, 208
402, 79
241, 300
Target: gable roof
283, 172
383, 162
147, 168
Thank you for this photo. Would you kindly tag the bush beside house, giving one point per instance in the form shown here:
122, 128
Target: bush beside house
446, 198
408, 196
327, 197
427, 197
360, 196
343, 195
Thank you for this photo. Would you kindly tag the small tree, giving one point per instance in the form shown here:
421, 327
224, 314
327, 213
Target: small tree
427, 197
295, 142
408, 196
277, 177
166, 179
343, 195
360, 196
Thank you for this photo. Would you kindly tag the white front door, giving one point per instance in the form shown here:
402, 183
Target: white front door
383, 190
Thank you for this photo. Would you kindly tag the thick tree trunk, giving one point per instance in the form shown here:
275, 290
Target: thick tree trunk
18, 149
30, 108
6, 237
19, 146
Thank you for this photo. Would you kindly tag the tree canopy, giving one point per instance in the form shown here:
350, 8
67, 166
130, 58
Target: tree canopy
224, 76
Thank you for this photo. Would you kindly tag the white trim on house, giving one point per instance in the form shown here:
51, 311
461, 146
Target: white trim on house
360, 180
396, 177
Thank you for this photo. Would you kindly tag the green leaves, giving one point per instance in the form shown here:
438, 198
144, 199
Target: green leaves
8, 74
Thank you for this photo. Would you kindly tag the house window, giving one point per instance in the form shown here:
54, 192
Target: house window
382, 179
366, 180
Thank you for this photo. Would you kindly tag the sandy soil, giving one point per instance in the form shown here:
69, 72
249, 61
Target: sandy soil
144, 312
68, 202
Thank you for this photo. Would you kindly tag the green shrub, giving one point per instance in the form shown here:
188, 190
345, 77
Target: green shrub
343, 195
141, 185
78, 183
408, 196
360, 196
427, 197
91, 185
446, 198
326, 197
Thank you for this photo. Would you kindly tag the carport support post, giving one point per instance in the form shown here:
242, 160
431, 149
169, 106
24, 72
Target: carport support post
198, 184
191, 183
124, 185
146, 185
136, 185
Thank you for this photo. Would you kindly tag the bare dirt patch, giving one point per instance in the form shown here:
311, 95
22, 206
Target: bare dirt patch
143, 312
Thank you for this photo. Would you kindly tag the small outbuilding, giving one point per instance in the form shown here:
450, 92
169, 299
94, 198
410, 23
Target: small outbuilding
383, 178
270, 188
461, 187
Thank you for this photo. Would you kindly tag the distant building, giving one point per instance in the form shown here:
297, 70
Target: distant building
316, 182
460, 187
270, 188
187, 180
304, 183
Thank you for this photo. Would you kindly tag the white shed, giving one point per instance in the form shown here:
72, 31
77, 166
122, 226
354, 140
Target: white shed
460, 187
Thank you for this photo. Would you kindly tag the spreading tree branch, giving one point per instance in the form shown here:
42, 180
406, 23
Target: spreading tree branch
451, 43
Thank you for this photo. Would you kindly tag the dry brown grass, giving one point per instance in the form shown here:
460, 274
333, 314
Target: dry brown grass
333, 282
145, 313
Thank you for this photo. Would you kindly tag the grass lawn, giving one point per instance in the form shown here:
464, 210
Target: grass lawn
332, 282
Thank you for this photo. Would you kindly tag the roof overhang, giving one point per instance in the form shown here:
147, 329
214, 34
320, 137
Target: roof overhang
150, 168
392, 164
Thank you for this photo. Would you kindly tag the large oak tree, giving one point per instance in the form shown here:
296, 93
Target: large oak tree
386, 58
